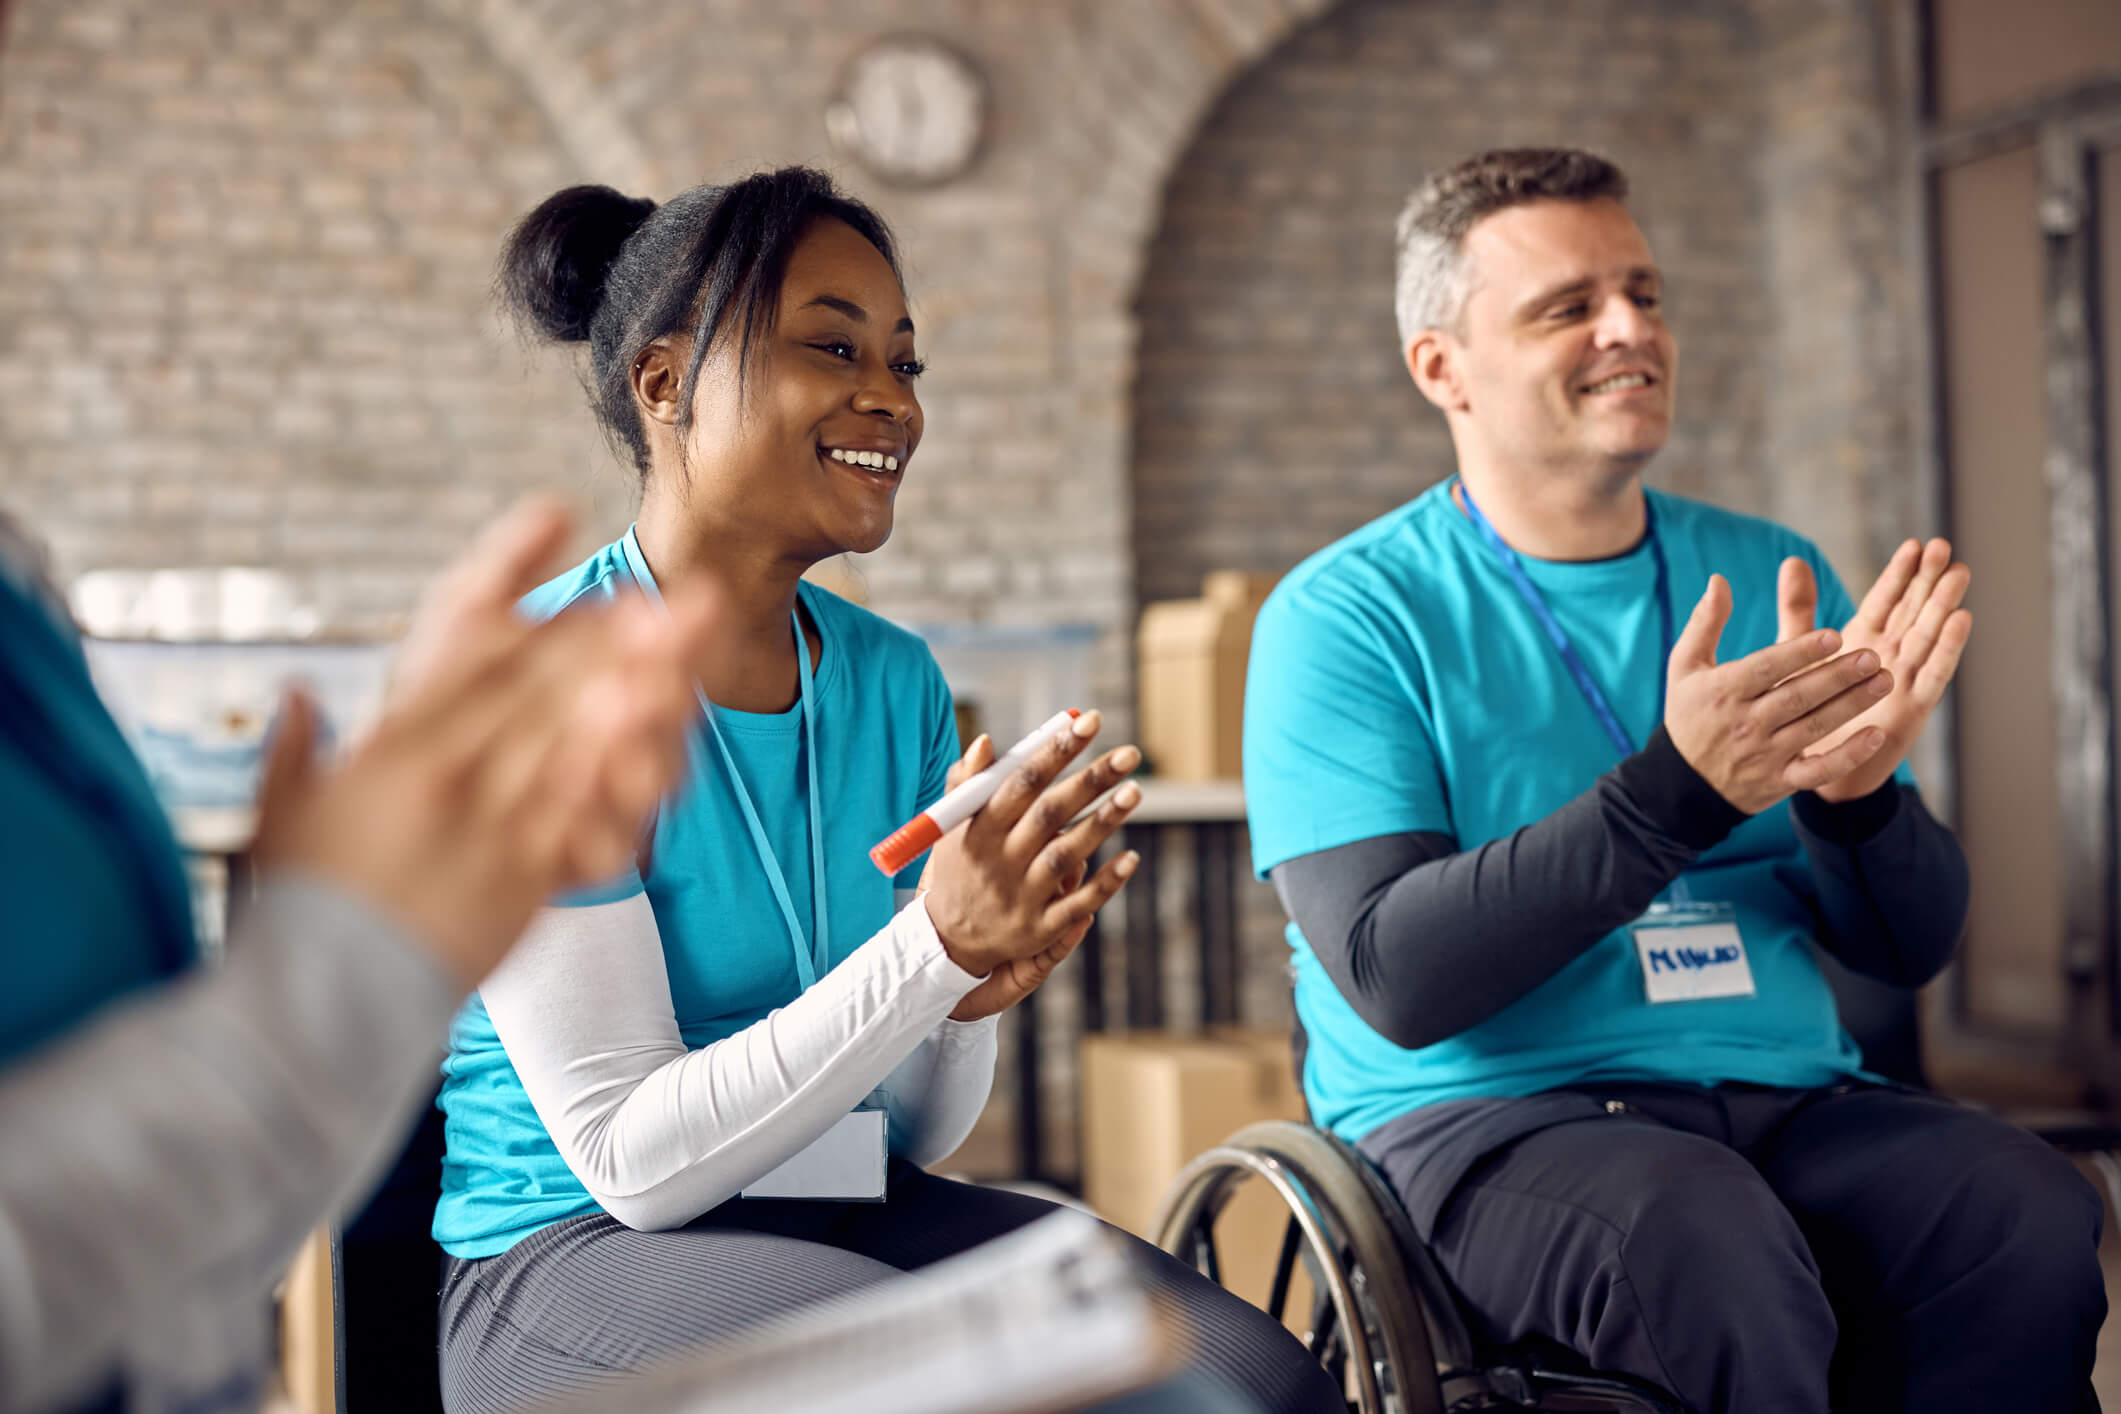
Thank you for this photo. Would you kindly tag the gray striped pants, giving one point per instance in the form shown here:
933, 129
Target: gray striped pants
586, 1301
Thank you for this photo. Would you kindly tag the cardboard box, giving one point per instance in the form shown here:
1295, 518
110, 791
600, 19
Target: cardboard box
1192, 658
1153, 1101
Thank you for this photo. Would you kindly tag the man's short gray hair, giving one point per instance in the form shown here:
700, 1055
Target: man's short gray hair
1432, 283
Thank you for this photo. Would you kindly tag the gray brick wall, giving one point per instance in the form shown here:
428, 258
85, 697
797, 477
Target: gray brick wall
243, 273
1273, 411
245, 253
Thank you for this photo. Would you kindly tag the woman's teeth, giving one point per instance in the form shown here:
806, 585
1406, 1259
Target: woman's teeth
876, 461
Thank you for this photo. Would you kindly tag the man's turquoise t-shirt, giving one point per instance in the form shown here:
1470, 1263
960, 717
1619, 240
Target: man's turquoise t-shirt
886, 736
1399, 684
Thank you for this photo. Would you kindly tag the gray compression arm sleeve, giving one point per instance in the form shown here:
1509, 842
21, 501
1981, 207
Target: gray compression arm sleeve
1425, 941
1893, 884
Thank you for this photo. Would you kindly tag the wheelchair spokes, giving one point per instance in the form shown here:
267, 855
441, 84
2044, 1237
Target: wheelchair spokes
1382, 1319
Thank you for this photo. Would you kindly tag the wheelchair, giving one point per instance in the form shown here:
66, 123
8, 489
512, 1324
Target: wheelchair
1382, 1317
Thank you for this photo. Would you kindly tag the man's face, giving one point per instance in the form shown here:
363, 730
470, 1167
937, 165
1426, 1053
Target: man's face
1564, 356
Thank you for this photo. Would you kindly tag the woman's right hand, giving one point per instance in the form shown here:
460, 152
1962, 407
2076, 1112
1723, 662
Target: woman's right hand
1006, 889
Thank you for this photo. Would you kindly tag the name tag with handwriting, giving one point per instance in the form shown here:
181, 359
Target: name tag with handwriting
1692, 952
844, 1164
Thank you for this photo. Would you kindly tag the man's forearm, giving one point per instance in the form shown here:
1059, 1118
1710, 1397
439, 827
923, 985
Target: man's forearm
169, 1156
1893, 884
1425, 941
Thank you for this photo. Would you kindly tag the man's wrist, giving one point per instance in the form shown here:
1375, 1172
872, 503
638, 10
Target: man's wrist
1677, 798
1848, 822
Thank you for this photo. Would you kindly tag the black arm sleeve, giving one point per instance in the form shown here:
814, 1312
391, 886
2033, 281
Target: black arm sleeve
1425, 941
1892, 882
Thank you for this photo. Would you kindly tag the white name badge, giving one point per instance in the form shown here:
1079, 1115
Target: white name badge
844, 1164
1692, 952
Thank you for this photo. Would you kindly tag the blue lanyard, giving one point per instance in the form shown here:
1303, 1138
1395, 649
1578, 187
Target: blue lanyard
1556, 635
811, 958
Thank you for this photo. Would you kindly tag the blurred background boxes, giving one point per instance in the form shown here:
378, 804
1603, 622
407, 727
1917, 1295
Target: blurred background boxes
192, 662
1153, 1100
1193, 654
1006, 679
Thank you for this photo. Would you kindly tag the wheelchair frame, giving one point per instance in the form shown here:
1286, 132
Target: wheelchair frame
1382, 1311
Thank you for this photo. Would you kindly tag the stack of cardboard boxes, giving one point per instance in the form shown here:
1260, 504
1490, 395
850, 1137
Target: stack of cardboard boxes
1192, 655
1153, 1101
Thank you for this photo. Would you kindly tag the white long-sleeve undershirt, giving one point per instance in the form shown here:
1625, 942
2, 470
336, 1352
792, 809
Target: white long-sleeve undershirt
660, 1133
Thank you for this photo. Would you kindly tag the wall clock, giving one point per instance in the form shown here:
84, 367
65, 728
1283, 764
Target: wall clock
910, 109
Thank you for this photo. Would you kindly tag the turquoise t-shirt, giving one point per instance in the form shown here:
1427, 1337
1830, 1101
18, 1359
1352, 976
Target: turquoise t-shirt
98, 906
886, 737
1398, 684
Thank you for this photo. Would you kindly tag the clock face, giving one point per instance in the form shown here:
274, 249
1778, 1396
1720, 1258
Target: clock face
911, 109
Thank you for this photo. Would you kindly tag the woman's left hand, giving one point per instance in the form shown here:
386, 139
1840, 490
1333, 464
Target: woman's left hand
1017, 979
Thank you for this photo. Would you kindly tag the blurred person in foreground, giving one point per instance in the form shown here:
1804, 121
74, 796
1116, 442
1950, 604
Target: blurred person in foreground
1558, 850
169, 1132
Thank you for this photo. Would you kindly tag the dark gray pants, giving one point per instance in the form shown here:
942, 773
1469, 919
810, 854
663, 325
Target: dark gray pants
586, 1301
1763, 1251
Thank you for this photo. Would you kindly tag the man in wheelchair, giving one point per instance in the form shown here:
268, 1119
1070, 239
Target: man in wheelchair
1562, 780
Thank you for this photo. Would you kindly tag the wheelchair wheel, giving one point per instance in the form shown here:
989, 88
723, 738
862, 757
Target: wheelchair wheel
1383, 1314
1366, 1320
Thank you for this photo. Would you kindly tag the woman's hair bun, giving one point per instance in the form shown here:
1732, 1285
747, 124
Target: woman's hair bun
556, 261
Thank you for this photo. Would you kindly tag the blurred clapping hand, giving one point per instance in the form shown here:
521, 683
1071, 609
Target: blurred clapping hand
513, 759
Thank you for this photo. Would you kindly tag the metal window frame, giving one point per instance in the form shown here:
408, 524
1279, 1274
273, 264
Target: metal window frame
2068, 128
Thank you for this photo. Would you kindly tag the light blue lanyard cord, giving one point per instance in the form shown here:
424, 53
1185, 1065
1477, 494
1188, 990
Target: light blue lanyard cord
1580, 671
811, 958
1513, 566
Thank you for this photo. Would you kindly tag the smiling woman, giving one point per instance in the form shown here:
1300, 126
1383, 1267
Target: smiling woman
749, 997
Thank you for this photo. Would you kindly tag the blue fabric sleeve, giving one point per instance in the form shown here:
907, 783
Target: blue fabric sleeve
1339, 744
619, 886
595, 580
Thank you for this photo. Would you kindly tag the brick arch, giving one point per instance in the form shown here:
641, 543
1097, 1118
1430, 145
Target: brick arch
1271, 414
596, 132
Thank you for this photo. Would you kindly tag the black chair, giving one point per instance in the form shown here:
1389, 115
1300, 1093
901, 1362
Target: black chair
1886, 1022
386, 1285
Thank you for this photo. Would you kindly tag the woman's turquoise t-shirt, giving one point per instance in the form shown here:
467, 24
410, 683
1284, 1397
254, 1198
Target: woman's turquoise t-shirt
886, 736
1398, 684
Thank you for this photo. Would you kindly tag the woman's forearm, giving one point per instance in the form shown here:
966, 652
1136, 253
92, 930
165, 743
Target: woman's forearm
658, 1132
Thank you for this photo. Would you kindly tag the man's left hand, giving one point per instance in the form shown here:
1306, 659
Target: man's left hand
1913, 621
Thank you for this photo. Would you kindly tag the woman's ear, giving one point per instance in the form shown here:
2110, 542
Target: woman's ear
658, 377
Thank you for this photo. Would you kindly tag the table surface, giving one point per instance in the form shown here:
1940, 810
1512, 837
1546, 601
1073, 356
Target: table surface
1189, 802
206, 829
227, 829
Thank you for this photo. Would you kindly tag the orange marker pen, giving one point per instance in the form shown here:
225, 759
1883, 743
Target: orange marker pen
910, 840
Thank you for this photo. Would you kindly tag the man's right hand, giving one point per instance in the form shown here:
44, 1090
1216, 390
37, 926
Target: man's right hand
1748, 726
